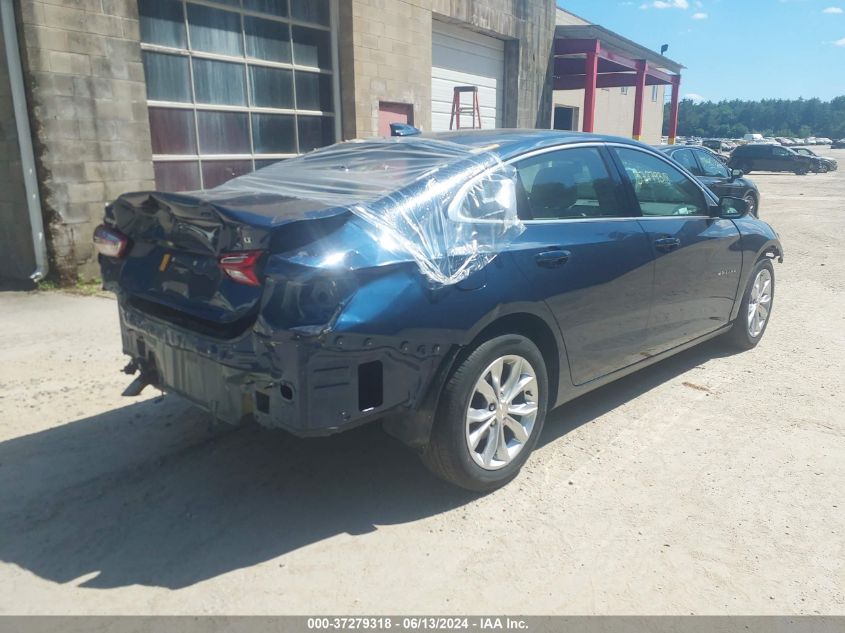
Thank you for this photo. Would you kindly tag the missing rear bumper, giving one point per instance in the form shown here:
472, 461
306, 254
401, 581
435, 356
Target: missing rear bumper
305, 386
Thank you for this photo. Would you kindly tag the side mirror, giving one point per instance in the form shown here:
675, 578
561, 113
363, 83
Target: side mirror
731, 208
736, 173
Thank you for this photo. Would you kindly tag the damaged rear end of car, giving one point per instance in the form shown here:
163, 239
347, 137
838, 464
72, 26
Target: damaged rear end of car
274, 297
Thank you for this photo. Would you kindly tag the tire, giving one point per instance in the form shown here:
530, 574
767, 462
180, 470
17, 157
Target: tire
823, 169
743, 335
745, 167
751, 201
802, 171
450, 454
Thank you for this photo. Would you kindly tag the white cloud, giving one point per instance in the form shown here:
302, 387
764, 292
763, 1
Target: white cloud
699, 16
833, 10
693, 96
840, 42
666, 4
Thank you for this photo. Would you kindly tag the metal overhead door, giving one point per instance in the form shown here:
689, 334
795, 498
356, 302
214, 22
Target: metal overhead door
460, 57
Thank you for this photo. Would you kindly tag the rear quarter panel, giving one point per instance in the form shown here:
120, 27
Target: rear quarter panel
398, 303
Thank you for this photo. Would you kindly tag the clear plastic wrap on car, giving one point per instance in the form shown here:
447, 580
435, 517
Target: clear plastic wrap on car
451, 207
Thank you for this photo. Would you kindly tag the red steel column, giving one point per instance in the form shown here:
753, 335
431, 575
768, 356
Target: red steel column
673, 114
591, 71
642, 70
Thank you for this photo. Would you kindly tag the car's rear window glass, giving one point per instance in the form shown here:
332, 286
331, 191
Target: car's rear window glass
564, 184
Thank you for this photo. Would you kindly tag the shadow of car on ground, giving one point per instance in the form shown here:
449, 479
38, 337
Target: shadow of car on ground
153, 494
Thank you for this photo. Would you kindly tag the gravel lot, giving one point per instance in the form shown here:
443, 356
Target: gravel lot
710, 483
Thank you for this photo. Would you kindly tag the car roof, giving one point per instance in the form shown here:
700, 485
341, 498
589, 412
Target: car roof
512, 142
667, 148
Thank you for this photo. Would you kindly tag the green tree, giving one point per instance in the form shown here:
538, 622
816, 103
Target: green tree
780, 117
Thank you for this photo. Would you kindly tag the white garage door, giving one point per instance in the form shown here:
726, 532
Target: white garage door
460, 57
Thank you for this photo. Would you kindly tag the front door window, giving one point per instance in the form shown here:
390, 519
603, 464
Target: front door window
712, 166
661, 189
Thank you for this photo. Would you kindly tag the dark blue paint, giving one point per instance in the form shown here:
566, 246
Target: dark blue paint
602, 294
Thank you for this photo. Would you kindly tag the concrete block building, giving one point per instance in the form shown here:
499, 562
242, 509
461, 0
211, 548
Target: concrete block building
99, 97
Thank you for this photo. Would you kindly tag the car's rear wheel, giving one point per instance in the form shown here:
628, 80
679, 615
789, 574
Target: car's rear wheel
756, 307
751, 201
490, 414
744, 166
802, 171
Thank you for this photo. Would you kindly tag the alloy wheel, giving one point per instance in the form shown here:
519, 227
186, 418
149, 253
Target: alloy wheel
759, 303
502, 411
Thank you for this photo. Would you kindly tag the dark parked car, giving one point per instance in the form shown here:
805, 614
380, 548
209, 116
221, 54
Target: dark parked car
824, 165
719, 178
455, 286
840, 144
760, 157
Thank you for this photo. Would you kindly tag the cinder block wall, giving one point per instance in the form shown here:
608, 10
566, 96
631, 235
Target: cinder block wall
90, 127
17, 259
385, 55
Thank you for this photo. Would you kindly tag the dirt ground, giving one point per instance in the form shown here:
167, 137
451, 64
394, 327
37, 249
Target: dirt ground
710, 483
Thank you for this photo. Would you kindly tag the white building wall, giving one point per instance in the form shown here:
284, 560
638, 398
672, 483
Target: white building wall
615, 111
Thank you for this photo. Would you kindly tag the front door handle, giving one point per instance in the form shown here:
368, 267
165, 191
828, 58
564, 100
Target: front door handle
667, 244
552, 259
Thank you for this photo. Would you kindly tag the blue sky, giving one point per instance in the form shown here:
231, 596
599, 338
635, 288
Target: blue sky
745, 49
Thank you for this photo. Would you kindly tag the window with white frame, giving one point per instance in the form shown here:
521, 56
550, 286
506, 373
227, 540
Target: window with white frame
654, 92
234, 85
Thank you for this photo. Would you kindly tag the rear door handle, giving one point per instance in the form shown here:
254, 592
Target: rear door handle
667, 244
552, 259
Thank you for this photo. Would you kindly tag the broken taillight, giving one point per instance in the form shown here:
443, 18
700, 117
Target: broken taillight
241, 266
110, 242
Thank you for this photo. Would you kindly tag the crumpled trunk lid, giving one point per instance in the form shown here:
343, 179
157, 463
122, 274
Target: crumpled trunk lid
177, 239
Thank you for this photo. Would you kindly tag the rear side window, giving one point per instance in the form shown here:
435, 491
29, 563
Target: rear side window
660, 188
686, 158
569, 183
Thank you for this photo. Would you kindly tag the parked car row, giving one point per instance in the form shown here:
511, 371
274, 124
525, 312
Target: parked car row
728, 145
723, 174
721, 146
718, 177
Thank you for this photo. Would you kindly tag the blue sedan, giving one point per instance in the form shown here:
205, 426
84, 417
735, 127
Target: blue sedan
454, 286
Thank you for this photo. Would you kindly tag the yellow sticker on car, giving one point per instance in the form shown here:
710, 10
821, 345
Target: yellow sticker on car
164, 262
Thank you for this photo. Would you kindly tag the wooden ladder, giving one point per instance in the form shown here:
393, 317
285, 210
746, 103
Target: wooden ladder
457, 109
